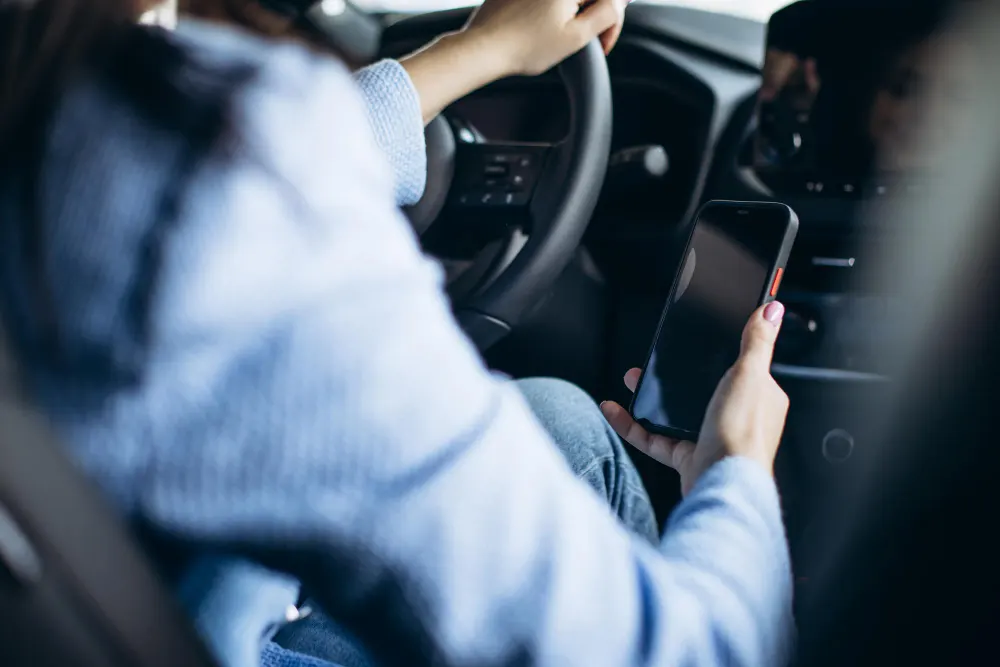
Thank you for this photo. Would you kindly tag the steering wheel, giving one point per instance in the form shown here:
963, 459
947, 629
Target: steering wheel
554, 187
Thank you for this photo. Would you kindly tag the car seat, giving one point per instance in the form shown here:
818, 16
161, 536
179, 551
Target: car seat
74, 588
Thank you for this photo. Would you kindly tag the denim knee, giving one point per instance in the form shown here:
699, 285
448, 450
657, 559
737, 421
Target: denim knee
592, 449
236, 605
573, 420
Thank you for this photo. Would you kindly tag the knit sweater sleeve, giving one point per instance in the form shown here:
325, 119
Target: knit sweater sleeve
393, 105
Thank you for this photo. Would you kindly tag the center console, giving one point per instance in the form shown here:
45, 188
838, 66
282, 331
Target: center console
830, 136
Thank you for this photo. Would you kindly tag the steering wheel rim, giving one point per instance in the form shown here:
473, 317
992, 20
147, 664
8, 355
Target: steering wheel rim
560, 201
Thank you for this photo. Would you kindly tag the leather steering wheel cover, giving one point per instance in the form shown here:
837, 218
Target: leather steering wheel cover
566, 195
441, 146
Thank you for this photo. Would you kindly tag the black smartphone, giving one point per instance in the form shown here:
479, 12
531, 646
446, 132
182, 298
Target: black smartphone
733, 263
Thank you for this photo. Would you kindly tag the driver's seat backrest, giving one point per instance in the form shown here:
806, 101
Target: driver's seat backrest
74, 588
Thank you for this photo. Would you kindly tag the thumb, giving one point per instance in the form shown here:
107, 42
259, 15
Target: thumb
760, 334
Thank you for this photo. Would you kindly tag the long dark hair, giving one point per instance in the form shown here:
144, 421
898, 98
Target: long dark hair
45, 45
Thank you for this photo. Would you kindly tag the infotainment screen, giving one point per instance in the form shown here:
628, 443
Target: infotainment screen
841, 92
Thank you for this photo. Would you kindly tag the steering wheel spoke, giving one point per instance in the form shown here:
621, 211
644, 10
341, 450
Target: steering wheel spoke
497, 177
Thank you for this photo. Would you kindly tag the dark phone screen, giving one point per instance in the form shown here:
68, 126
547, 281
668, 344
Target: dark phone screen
724, 278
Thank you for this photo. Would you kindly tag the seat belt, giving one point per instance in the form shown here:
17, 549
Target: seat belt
74, 588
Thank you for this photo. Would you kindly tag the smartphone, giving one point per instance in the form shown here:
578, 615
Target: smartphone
733, 263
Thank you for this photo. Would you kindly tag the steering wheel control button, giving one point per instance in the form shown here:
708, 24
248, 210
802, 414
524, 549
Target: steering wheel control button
838, 446
498, 176
494, 170
492, 198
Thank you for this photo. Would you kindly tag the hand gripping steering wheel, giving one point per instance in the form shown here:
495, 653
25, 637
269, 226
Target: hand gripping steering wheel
554, 186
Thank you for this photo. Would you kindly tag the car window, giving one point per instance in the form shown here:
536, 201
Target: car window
758, 9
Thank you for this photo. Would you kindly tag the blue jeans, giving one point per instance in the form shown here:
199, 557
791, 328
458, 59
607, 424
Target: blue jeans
592, 450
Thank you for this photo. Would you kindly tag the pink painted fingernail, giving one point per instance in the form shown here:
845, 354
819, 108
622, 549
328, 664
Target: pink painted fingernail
774, 312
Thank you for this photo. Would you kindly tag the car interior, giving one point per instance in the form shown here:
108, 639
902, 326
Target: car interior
559, 206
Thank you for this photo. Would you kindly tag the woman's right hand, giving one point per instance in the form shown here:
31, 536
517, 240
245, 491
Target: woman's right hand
745, 417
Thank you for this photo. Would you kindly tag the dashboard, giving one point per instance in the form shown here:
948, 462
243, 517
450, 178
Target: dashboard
698, 88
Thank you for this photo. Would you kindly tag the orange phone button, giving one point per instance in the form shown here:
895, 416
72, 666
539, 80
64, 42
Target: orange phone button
777, 282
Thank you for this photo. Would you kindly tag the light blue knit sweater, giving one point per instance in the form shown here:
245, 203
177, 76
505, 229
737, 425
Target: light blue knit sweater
396, 121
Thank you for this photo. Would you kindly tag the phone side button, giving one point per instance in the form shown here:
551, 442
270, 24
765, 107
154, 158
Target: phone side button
777, 282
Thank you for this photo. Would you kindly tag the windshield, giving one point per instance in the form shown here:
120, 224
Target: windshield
757, 9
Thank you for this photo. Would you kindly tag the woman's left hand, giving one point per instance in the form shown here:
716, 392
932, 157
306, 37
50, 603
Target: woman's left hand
505, 38
610, 36
532, 36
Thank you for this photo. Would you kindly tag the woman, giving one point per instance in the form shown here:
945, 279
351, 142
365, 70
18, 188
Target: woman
400, 97
232, 327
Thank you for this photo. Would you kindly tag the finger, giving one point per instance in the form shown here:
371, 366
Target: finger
760, 334
610, 37
661, 448
623, 424
597, 17
632, 378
